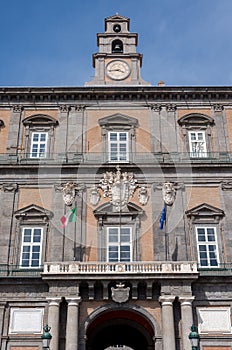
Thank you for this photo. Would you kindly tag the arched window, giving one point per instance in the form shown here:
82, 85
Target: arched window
39, 136
197, 134
117, 46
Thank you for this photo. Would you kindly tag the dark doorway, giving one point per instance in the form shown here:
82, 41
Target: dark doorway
120, 328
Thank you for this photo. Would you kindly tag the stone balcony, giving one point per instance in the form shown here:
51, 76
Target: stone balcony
98, 270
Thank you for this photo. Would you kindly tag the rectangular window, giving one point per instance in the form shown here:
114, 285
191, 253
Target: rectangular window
207, 246
118, 146
31, 247
119, 244
197, 144
38, 145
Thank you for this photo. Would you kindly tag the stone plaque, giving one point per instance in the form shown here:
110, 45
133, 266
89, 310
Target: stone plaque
26, 320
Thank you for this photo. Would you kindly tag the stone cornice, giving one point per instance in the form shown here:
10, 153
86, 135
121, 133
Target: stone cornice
150, 95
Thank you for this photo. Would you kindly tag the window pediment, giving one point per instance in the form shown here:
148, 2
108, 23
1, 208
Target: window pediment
195, 119
41, 120
107, 209
205, 211
118, 120
33, 213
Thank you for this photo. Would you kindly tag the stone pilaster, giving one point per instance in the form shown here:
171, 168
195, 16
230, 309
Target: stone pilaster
168, 322
186, 320
72, 323
53, 321
15, 129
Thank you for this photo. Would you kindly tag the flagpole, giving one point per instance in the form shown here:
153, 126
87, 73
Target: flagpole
166, 237
75, 236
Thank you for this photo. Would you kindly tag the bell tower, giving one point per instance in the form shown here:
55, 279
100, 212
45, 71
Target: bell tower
117, 62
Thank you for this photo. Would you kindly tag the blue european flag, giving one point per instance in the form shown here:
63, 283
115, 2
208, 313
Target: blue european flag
163, 217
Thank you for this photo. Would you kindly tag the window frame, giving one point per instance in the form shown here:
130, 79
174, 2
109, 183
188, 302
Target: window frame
107, 217
119, 244
31, 244
35, 217
207, 243
118, 123
38, 143
39, 124
197, 154
118, 143
197, 123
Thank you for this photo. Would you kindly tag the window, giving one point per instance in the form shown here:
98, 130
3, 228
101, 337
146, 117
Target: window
118, 138
118, 146
207, 246
38, 145
117, 46
32, 229
205, 222
119, 244
197, 144
197, 134
39, 136
31, 247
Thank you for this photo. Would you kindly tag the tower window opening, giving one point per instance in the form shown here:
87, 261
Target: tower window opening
117, 46
117, 28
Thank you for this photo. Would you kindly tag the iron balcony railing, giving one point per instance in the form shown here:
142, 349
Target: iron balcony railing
18, 271
96, 158
223, 269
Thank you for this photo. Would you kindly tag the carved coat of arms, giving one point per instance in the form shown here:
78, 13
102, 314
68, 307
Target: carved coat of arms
119, 187
121, 293
169, 193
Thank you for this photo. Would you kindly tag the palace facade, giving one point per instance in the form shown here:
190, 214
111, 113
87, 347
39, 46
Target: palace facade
116, 210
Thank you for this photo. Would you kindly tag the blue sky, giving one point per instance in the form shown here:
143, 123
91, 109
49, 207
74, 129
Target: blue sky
50, 42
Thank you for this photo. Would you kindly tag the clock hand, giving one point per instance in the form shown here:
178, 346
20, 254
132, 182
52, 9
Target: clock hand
116, 70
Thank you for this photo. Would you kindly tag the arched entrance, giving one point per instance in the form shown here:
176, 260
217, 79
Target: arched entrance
118, 328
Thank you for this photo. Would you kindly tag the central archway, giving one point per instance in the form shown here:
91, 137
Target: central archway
120, 328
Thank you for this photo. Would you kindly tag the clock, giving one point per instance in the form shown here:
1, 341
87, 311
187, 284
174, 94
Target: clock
117, 70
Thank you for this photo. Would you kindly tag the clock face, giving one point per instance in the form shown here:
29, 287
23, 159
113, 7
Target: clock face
117, 70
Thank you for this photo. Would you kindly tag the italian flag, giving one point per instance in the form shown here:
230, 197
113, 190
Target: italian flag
69, 217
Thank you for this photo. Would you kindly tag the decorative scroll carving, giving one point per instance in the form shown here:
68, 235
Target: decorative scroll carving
64, 108
227, 186
9, 187
156, 107
169, 193
69, 190
121, 293
218, 108
79, 108
170, 107
17, 108
143, 195
119, 187
94, 196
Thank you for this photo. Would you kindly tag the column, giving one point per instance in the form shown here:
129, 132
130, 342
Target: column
186, 320
72, 328
169, 342
53, 321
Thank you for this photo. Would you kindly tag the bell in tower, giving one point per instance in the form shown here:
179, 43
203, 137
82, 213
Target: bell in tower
117, 62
